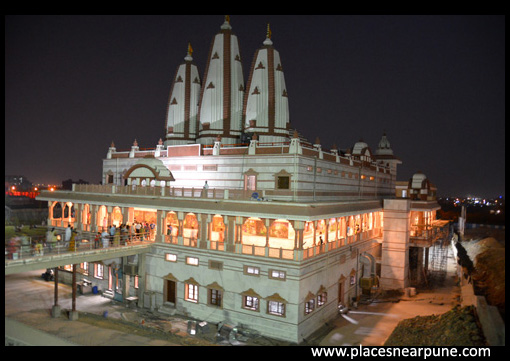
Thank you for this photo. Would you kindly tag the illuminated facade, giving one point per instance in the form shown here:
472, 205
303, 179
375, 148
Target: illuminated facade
283, 232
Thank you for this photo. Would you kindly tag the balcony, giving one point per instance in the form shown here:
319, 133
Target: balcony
427, 235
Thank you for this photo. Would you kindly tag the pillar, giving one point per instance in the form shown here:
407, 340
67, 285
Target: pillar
77, 216
160, 221
395, 246
231, 233
73, 314
299, 227
93, 218
55, 310
141, 279
203, 220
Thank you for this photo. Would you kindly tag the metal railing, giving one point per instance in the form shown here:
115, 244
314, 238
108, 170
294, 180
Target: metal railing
23, 247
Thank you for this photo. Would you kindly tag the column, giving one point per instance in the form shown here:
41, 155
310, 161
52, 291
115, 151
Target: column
160, 221
55, 310
267, 223
77, 216
180, 219
73, 314
141, 279
93, 218
231, 233
203, 220
62, 205
299, 227
395, 246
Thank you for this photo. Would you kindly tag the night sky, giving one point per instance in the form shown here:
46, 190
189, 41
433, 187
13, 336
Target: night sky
434, 84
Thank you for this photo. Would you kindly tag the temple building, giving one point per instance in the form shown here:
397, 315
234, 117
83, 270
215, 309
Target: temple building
253, 224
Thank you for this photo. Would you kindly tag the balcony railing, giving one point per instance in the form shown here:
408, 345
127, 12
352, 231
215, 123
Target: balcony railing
29, 247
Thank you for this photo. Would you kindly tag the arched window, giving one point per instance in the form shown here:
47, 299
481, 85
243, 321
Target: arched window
254, 232
190, 230
217, 229
171, 227
281, 234
116, 217
56, 211
102, 217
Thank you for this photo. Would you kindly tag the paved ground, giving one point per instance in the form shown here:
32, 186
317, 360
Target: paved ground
28, 302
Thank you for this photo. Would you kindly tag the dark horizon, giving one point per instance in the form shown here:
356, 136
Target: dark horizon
434, 84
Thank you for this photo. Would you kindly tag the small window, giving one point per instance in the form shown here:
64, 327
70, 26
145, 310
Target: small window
171, 257
217, 265
322, 298
98, 271
250, 270
309, 306
251, 303
283, 182
278, 275
192, 261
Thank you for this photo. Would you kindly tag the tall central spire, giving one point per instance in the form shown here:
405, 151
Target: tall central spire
266, 107
221, 99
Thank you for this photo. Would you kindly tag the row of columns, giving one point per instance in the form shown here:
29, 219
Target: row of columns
233, 225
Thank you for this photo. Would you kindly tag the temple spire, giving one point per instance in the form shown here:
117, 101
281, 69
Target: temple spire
268, 36
226, 24
188, 56
221, 100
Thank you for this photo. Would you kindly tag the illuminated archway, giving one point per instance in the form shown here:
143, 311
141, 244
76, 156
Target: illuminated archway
190, 230
254, 232
116, 217
281, 234
171, 227
102, 217
217, 229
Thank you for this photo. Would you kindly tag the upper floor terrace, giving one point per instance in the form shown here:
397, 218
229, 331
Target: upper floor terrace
208, 219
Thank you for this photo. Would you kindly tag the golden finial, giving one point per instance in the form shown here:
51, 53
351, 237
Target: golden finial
268, 31
227, 18
190, 49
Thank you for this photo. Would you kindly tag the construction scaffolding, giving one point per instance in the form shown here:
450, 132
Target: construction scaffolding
438, 256
438, 260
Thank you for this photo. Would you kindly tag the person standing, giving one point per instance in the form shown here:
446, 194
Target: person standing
96, 240
105, 238
67, 236
111, 230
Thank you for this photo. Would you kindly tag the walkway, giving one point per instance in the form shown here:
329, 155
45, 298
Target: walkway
83, 253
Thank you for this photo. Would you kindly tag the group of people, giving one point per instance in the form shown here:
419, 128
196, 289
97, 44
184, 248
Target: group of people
69, 240
113, 236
